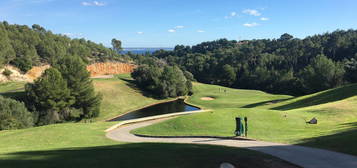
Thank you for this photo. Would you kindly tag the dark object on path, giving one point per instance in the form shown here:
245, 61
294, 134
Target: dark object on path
312, 121
239, 127
246, 126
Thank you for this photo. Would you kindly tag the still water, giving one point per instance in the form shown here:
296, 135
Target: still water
158, 109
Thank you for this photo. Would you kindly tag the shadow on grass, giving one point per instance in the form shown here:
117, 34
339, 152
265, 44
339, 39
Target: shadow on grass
131, 83
17, 95
345, 141
148, 155
265, 103
320, 98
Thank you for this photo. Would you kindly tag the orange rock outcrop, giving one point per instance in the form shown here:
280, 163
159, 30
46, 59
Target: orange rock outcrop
109, 68
96, 69
36, 71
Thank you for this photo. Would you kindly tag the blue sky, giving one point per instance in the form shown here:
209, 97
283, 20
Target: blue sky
165, 23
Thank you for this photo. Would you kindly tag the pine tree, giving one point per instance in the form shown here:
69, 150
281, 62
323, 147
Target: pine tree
51, 97
7, 53
80, 85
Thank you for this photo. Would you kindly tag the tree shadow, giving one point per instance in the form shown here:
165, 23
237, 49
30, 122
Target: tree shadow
148, 155
17, 95
319, 98
344, 141
266, 103
322, 98
132, 84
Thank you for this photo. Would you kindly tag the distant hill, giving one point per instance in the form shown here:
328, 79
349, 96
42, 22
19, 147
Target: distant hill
24, 47
139, 50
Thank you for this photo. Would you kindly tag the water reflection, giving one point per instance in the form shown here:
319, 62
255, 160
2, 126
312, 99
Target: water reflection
158, 109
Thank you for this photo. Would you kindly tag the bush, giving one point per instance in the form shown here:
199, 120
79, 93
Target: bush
7, 73
23, 64
14, 115
166, 81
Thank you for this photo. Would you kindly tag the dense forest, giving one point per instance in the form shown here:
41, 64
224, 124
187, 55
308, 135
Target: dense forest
25, 47
285, 65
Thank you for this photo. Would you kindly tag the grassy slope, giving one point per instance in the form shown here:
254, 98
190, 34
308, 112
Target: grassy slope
85, 144
337, 119
11, 86
119, 97
231, 98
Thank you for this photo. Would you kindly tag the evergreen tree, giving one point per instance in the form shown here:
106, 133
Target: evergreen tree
116, 45
14, 115
322, 74
166, 81
51, 97
7, 53
229, 75
80, 85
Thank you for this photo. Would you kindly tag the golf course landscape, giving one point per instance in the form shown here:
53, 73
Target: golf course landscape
178, 84
274, 118
53, 144
84, 144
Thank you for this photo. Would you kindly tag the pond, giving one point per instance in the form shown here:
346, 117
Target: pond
158, 109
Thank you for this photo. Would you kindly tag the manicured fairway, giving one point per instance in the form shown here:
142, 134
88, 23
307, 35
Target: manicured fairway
85, 145
337, 120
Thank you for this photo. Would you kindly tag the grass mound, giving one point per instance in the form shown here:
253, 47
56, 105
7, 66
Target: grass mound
328, 96
335, 110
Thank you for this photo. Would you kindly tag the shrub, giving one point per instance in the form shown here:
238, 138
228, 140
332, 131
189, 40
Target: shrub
14, 115
7, 73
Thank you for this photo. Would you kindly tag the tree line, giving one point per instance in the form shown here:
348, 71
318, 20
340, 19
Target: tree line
24, 47
286, 65
162, 80
63, 93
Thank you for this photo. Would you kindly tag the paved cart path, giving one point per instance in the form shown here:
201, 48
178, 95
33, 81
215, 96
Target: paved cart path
303, 156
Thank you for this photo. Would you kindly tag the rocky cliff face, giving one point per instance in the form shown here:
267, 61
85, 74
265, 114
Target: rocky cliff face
109, 68
97, 69
36, 71
14, 76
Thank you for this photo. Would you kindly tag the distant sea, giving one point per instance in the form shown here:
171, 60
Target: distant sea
144, 50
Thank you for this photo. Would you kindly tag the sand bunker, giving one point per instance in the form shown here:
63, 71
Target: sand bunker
207, 98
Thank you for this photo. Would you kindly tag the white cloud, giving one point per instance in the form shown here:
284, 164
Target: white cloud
233, 14
250, 24
139, 32
200, 31
93, 3
252, 12
264, 19
172, 30
179, 27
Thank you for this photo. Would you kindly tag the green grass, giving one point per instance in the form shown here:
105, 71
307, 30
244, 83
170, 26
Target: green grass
85, 145
328, 96
120, 96
231, 98
336, 111
11, 86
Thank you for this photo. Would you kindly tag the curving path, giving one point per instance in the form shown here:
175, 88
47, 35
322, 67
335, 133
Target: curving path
303, 156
